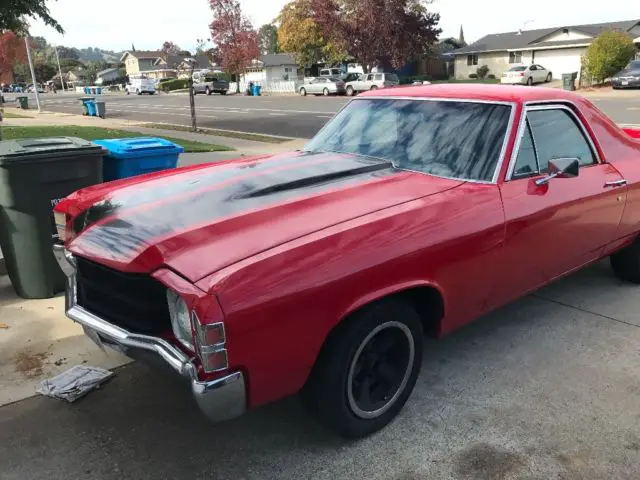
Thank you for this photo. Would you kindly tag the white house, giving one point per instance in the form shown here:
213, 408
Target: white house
108, 75
558, 49
277, 73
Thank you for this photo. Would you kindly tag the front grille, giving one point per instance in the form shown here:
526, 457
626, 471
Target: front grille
135, 302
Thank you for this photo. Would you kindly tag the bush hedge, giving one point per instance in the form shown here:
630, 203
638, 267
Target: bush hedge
473, 75
173, 84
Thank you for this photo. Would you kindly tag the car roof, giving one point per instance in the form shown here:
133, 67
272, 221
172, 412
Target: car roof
481, 92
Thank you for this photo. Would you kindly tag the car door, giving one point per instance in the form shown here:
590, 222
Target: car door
557, 226
541, 73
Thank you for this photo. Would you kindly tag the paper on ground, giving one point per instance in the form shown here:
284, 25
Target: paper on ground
74, 383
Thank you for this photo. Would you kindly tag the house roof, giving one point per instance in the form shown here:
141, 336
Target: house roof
140, 54
277, 59
105, 72
175, 61
529, 38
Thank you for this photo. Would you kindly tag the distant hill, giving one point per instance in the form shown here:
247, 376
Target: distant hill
97, 54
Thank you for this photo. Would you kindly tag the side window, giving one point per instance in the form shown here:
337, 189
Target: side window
556, 135
378, 77
533, 67
369, 78
527, 162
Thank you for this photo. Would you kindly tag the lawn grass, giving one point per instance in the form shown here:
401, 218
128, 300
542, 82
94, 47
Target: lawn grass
254, 137
98, 133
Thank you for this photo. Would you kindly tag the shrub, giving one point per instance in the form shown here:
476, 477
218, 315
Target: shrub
491, 76
473, 75
482, 71
173, 84
609, 53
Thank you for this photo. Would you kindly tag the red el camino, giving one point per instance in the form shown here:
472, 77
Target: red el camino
412, 212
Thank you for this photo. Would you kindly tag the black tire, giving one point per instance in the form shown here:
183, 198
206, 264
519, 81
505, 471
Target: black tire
128, 92
325, 92
223, 92
549, 78
530, 81
332, 390
626, 263
138, 92
207, 91
303, 92
350, 91
374, 87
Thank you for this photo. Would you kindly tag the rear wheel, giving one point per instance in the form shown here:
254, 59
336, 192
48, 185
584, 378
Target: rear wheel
138, 92
350, 91
549, 78
529, 81
303, 92
207, 91
366, 370
626, 263
325, 92
374, 87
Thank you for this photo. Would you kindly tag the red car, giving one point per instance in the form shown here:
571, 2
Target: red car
411, 213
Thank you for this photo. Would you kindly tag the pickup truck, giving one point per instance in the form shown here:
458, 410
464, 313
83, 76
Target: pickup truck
414, 211
209, 84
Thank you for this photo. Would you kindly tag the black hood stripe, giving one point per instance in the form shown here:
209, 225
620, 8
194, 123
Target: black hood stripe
184, 184
133, 231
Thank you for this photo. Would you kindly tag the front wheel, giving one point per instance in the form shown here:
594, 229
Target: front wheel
626, 263
207, 91
530, 81
303, 92
138, 92
366, 370
350, 91
325, 92
549, 78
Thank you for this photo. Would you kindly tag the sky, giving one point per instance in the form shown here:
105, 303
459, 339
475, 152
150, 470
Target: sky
117, 24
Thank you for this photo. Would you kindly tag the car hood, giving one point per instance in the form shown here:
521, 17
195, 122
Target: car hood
199, 220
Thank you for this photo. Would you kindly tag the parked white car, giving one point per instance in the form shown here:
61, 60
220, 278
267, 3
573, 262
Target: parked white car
322, 86
372, 81
141, 85
526, 75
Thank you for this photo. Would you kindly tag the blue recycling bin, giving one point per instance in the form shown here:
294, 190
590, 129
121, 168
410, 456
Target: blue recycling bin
91, 107
255, 90
129, 157
99, 90
87, 90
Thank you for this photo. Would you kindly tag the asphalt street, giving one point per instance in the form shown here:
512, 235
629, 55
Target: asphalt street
289, 116
546, 388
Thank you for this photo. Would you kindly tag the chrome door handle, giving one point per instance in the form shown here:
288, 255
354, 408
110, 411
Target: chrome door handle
615, 183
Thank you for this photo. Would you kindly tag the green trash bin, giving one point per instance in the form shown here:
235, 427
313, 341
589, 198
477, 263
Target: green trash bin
22, 102
569, 81
34, 175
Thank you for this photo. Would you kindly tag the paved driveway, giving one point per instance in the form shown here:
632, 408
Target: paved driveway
546, 388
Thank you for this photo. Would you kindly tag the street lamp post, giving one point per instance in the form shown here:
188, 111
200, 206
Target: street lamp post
59, 69
33, 73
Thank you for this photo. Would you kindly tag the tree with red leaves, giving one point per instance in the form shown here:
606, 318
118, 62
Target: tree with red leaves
234, 36
12, 52
170, 48
379, 33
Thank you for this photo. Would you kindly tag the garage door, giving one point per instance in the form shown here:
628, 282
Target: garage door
563, 60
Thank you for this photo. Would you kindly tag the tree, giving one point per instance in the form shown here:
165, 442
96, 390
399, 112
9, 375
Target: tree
68, 53
379, 33
12, 13
13, 52
93, 67
201, 45
170, 48
302, 35
609, 53
233, 34
269, 43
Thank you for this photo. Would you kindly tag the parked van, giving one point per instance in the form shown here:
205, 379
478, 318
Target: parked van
140, 85
331, 72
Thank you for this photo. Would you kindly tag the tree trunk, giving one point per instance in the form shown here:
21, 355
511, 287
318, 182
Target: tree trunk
238, 82
192, 103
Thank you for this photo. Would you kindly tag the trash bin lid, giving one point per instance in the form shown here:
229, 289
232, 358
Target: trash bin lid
139, 147
43, 149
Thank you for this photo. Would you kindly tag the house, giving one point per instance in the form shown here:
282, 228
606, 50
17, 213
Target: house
108, 76
275, 67
137, 61
76, 77
182, 65
558, 49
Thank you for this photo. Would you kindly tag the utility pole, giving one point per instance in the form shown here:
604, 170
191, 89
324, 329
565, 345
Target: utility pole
33, 73
55, 48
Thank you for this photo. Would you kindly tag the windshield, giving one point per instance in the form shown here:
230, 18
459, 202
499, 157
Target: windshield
457, 139
517, 69
634, 65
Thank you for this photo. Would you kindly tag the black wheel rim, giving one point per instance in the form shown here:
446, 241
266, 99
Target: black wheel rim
380, 370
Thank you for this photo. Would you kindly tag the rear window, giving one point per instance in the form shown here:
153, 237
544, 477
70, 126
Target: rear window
454, 139
333, 79
517, 69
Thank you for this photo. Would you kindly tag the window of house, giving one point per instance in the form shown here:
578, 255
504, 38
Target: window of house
472, 59
515, 57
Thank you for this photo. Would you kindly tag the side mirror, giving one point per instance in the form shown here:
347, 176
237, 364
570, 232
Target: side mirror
561, 168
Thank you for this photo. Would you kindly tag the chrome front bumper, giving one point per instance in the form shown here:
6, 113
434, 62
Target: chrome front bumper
221, 399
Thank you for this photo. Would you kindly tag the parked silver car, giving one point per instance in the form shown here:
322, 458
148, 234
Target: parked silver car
323, 86
372, 81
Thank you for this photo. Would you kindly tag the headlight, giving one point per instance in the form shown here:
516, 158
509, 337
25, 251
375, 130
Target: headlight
180, 319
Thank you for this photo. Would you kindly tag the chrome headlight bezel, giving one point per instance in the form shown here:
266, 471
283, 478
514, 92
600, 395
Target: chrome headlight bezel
180, 319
